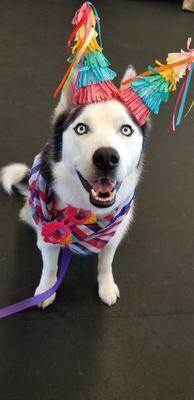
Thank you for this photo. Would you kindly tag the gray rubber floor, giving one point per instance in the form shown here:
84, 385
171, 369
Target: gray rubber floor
79, 349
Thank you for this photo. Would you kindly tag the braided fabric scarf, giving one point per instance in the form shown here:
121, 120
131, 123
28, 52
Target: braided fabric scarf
77, 229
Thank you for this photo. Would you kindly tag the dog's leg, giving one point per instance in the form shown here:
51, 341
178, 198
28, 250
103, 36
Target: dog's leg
107, 288
50, 254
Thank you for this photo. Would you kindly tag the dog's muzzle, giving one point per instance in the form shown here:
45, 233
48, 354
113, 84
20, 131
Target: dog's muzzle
102, 191
106, 159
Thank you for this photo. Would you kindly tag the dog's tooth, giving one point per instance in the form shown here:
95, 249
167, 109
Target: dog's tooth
93, 193
102, 199
99, 199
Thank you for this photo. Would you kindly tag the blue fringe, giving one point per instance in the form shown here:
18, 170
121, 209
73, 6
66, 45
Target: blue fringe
90, 76
93, 59
96, 59
95, 69
152, 89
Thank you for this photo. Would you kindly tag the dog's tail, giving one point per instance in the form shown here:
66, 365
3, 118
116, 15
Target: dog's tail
15, 175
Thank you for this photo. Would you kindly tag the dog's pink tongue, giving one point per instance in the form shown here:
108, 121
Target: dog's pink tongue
103, 186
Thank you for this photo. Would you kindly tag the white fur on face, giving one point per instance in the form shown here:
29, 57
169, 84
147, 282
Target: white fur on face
104, 121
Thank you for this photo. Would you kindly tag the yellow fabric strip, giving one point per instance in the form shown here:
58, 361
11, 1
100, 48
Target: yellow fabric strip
65, 82
78, 57
190, 108
160, 69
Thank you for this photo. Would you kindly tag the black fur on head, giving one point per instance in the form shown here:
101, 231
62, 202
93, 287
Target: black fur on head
146, 129
53, 152
46, 159
61, 124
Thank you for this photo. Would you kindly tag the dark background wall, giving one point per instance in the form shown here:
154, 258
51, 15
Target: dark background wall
143, 348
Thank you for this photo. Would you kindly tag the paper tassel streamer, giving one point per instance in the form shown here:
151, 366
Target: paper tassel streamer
89, 71
184, 96
190, 108
154, 86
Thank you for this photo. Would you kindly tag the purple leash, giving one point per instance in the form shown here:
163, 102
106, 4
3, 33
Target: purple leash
33, 301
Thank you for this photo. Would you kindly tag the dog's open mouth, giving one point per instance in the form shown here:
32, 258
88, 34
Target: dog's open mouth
102, 191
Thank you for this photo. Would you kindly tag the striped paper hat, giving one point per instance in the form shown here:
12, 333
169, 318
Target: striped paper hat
91, 77
89, 71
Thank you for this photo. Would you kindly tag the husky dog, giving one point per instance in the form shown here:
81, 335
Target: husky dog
94, 163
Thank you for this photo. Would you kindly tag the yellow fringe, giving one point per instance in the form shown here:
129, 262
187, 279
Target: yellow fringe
77, 59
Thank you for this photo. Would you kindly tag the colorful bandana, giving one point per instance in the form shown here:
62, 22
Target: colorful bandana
77, 229
90, 77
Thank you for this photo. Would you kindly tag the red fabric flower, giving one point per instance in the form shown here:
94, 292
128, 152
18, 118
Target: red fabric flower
55, 231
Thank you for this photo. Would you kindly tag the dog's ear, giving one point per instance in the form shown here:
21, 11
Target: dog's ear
65, 103
147, 127
129, 73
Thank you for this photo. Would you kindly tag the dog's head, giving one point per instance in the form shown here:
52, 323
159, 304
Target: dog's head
99, 145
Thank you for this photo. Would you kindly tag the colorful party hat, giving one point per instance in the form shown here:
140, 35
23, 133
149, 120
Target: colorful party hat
148, 90
89, 71
90, 76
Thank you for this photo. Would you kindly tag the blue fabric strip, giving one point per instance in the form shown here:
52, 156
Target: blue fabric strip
98, 21
182, 106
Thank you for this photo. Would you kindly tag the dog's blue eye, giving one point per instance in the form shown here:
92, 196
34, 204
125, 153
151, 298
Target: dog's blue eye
81, 129
127, 130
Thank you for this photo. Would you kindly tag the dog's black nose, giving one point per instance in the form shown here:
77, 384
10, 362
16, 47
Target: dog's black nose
106, 158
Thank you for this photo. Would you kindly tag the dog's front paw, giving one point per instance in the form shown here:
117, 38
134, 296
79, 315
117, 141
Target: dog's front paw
42, 288
108, 291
